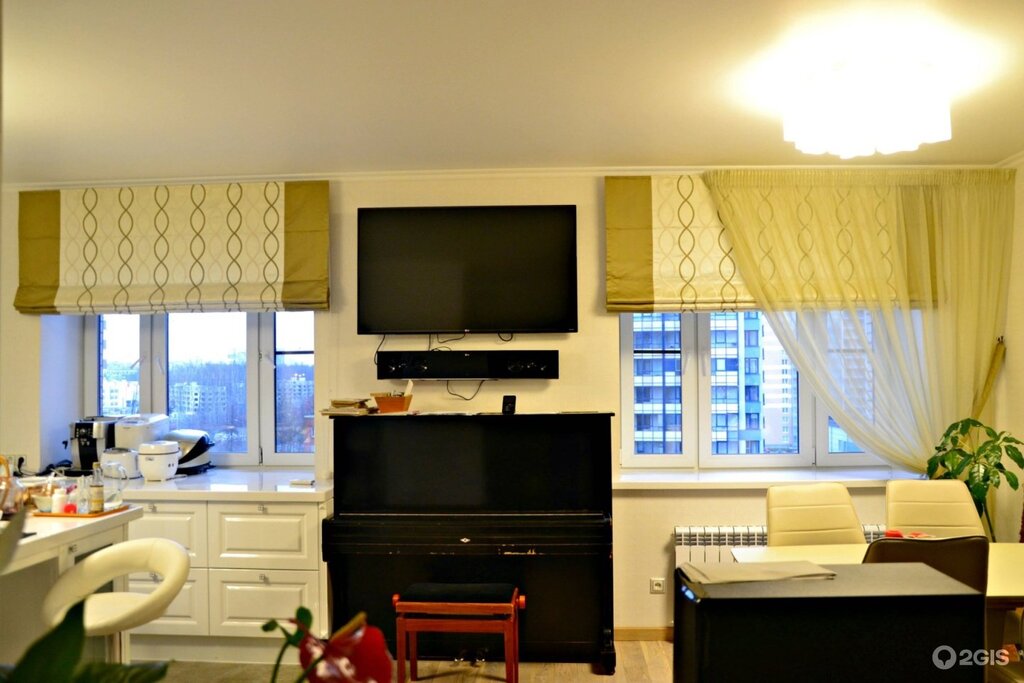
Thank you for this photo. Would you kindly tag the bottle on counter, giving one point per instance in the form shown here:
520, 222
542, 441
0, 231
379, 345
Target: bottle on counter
82, 495
60, 499
96, 489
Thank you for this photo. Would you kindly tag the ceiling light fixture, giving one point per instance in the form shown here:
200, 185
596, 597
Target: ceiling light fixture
862, 82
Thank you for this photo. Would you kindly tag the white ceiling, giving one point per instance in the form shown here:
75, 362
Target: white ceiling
104, 90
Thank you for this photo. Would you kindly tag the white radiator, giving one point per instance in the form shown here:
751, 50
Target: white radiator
715, 543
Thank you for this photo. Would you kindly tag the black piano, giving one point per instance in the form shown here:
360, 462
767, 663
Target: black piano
522, 499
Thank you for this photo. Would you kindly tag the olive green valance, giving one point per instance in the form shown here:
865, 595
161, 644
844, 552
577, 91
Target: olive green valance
666, 247
260, 246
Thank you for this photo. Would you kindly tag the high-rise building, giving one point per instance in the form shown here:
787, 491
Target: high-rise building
753, 386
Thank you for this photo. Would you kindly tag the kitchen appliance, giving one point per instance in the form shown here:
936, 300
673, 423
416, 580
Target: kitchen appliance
124, 457
132, 430
158, 460
90, 436
195, 447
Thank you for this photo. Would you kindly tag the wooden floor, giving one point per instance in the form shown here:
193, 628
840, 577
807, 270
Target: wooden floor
638, 661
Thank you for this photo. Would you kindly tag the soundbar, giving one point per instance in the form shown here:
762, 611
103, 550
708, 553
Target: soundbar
467, 365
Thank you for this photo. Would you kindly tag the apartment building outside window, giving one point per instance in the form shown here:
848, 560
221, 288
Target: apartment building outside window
718, 390
246, 379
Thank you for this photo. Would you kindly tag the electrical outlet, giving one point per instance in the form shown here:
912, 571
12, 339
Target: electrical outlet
657, 585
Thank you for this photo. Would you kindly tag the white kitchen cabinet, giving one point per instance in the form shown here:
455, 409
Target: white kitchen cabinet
264, 535
181, 522
251, 561
188, 614
241, 600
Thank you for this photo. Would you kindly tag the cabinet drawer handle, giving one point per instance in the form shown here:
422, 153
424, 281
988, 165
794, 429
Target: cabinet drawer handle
261, 507
264, 578
155, 577
151, 507
73, 548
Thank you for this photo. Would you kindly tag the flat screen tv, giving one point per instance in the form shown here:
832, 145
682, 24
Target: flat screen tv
500, 269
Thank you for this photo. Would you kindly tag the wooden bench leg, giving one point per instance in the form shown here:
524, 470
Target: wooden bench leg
400, 655
515, 646
510, 652
413, 672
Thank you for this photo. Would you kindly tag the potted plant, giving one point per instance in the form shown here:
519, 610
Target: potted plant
973, 452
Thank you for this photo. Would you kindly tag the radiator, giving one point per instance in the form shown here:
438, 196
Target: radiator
715, 543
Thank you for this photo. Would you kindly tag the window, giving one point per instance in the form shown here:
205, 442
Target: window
722, 417
246, 379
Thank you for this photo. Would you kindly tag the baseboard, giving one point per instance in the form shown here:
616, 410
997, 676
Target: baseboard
645, 633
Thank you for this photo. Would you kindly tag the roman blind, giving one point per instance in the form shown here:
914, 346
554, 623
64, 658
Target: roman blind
258, 246
666, 249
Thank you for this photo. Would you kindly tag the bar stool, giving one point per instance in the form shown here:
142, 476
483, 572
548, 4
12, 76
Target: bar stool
458, 608
107, 614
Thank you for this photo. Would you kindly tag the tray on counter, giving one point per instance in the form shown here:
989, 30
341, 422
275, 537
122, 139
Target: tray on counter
119, 508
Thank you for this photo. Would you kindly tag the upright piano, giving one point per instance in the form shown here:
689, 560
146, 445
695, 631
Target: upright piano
441, 497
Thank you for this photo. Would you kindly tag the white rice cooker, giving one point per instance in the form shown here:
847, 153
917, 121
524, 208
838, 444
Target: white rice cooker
158, 460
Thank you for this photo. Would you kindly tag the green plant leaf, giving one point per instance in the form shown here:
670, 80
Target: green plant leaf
992, 434
961, 461
1011, 479
53, 656
9, 537
1015, 455
269, 626
304, 617
104, 672
933, 466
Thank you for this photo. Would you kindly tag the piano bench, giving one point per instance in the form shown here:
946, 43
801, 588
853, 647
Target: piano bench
458, 608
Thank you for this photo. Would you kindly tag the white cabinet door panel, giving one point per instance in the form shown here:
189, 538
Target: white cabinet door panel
241, 601
181, 522
264, 535
188, 614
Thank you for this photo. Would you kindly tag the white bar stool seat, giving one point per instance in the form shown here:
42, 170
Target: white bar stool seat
107, 614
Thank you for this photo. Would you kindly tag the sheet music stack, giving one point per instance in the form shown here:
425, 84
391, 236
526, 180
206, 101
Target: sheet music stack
349, 406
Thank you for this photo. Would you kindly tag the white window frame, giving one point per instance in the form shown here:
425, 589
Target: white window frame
266, 351
695, 340
827, 458
688, 382
260, 386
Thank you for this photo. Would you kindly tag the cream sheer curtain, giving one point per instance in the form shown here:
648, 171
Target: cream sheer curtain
886, 288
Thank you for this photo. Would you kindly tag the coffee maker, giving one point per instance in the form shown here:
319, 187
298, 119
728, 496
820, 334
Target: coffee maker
90, 436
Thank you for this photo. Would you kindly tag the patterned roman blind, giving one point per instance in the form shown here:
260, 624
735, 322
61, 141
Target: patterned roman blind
666, 248
261, 246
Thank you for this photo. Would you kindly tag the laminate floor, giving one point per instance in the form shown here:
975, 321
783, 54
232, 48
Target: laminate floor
638, 661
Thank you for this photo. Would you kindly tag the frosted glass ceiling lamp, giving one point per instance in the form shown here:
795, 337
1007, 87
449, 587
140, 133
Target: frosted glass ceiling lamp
858, 111
861, 83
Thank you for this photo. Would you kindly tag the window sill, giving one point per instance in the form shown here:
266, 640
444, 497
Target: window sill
852, 477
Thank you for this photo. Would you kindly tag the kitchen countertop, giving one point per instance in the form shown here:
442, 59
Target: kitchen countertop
226, 484
50, 534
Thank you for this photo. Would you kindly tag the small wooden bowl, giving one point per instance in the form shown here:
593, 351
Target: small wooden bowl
392, 404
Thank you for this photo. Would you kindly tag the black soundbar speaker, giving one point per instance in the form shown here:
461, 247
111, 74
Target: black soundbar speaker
467, 365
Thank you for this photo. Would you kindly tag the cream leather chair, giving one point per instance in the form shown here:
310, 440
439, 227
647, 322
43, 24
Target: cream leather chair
812, 514
939, 507
109, 613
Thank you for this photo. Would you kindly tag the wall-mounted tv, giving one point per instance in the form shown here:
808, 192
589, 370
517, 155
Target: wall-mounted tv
501, 269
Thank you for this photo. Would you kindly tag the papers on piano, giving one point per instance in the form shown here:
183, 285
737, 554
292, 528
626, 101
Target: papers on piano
349, 406
737, 572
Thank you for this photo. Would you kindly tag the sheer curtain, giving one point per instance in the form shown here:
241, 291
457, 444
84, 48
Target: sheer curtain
886, 288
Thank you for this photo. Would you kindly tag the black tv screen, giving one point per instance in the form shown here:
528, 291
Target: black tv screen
500, 269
